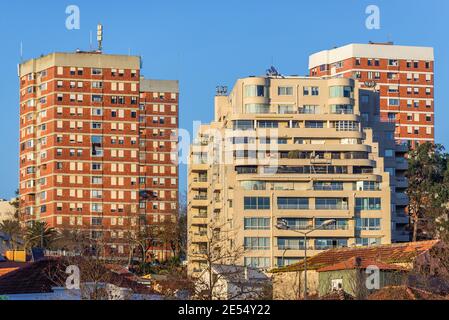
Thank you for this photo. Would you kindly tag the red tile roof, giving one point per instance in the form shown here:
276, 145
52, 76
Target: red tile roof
388, 253
28, 279
404, 293
43, 275
360, 263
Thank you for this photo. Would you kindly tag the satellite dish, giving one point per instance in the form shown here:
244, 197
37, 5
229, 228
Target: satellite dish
370, 84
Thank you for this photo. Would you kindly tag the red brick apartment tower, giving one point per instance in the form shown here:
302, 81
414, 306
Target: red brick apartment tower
81, 140
158, 153
404, 76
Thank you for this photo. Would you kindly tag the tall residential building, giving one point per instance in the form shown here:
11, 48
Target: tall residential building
98, 145
403, 76
296, 150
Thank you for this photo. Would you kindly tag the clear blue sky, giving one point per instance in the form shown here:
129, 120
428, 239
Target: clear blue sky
209, 43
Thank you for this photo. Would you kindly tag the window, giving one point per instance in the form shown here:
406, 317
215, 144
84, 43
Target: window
256, 243
329, 243
298, 223
315, 91
309, 109
96, 166
290, 243
327, 186
285, 91
336, 284
267, 124
243, 125
96, 125
305, 91
338, 224
393, 102
368, 224
368, 241
97, 180
392, 62
341, 91
257, 108
293, 203
343, 108
97, 98
389, 153
314, 124
368, 204
285, 109
256, 203
255, 91
257, 262
97, 221
286, 261
257, 223
331, 204
96, 71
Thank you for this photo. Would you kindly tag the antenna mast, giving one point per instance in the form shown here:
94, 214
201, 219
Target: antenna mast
100, 37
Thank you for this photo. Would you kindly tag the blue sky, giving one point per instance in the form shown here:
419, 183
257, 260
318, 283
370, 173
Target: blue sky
209, 43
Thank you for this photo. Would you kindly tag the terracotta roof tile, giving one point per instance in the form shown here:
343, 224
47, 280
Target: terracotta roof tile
359, 263
389, 253
36, 277
404, 293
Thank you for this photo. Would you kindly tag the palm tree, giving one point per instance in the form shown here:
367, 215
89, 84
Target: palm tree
40, 235
12, 229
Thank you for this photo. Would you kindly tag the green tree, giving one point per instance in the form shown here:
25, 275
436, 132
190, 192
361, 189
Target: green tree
40, 235
13, 230
428, 191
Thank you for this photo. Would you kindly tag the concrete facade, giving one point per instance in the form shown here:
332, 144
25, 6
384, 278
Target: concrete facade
298, 149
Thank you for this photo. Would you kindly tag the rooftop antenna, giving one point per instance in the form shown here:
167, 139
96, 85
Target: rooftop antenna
21, 51
100, 37
90, 40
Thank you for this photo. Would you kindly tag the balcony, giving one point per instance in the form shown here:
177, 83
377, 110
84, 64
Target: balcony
401, 199
199, 220
401, 164
401, 182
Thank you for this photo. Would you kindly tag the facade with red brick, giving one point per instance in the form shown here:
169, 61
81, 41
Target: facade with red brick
98, 145
403, 75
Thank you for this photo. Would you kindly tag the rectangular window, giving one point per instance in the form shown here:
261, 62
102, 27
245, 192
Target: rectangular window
329, 243
293, 203
256, 203
368, 204
368, 224
257, 223
366, 242
341, 91
255, 91
331, 204
256, 243
285, 91
257, 262
290, 243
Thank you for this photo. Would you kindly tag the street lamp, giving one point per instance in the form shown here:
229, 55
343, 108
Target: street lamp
283, 225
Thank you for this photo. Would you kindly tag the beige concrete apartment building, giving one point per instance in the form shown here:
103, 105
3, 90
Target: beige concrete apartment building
301, 150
